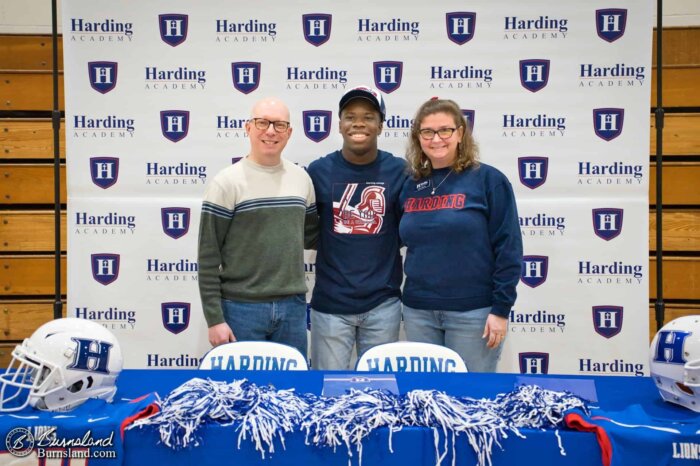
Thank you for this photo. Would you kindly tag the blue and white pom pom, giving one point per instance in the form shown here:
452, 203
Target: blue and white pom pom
449, 417
532, 407
262, 415
350, 418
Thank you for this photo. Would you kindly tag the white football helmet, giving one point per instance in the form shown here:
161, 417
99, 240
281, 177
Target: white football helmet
64, 363
674, 360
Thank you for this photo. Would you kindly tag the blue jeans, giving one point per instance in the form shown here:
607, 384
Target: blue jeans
282, 321
333, 336
460, 331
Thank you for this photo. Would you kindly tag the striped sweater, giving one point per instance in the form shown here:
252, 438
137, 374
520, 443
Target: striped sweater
255, 223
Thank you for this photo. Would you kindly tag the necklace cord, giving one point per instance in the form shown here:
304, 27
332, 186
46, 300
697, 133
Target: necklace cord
440, 184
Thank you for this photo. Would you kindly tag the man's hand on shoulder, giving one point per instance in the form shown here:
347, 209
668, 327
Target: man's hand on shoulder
220, 334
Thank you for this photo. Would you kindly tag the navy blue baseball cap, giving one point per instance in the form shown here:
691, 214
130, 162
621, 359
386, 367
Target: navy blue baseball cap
364, 92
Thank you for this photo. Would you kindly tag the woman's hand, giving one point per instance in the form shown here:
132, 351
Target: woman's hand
495, 330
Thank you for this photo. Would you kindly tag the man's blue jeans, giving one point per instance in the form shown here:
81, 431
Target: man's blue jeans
333, 336
282, 321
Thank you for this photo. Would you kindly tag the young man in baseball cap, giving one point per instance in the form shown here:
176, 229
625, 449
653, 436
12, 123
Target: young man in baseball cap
356, 298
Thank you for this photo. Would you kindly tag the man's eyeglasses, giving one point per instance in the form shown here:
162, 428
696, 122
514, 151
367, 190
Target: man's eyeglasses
262, 124
443, 133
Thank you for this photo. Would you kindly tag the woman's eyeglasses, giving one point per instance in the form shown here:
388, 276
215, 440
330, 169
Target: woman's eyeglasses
443, 133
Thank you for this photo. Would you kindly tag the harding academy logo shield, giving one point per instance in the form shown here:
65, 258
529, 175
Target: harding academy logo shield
175, 124
175, 221
534, 270
607, 122
173, 28
533, 363
607, 223
534, 74
176, 316
245, 75
607, 320
460, 26
317, 28
105, 267
104, 171
533, 171
387, 75
103, 75
610, 23
317, 124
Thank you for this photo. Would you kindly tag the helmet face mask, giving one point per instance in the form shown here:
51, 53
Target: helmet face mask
20, 380
64, 363
674, 360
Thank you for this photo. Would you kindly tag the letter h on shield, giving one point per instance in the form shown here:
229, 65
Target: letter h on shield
534, 270
103, 75
173, 28
460, 26
611, 23
246, 76
104, 171
607, 320
91, 355
175, 316
607, 122
175, 221
534, 74
317, 28
317, 124
533, 171
105, 267
607, 223
387, 75
175, 124
533, 363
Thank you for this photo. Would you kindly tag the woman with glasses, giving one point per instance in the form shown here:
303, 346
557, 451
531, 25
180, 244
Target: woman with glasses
462, 237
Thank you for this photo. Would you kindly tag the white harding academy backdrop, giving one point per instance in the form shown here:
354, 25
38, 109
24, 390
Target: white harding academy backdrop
157, 94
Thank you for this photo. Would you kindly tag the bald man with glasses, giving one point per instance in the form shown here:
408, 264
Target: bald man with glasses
257, 217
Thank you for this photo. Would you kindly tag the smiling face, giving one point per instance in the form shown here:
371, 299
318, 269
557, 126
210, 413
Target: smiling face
441, 152
266, 145
360, 125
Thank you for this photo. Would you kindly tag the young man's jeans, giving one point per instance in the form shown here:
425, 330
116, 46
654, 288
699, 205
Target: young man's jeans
460, 331
334, 335
282, 321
